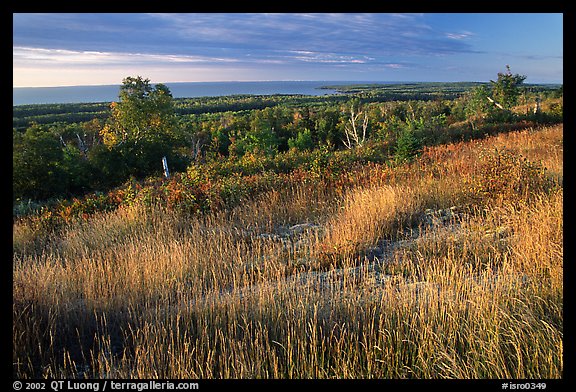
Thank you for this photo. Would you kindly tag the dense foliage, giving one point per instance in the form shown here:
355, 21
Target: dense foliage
226, 139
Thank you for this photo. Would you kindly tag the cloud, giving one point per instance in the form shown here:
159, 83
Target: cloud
459, 36
394, 65
301, 44
326, 58
345, 33
59, 57
277, 38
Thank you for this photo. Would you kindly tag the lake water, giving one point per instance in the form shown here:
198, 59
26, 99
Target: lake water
108, 93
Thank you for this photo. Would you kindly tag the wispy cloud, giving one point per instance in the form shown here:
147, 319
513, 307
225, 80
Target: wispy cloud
460, 35
310, 43
61, 57
320, 57
347, 34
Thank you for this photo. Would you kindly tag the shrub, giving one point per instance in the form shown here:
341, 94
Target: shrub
507, 175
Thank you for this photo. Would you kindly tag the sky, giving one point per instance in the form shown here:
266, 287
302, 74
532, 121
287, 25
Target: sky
67, 49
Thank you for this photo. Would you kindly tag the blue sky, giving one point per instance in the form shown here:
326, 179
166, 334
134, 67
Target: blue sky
102, 48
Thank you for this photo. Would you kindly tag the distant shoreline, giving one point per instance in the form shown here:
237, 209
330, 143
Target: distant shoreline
108, 93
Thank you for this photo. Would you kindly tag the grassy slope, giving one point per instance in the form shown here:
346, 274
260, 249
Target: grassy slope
373, 289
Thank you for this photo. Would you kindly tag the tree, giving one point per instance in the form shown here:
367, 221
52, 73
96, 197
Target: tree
303, 141
496, 100
37, 170
260, 141
143, 114
352, 128
407, 146
506, 89
477, 104
142, 125
326, 125
77, 169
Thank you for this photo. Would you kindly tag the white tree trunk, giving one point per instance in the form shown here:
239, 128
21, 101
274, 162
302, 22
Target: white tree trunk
353, 138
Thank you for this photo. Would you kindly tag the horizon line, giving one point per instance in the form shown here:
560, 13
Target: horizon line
278, 80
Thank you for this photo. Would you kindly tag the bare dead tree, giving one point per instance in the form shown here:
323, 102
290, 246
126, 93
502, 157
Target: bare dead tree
352, 130
537, 106
196, 149
81, 145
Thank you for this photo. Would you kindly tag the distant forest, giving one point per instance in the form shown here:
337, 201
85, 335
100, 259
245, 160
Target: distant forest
67, 150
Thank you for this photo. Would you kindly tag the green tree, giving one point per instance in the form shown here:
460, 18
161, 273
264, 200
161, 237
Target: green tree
109, 167
407, 145
37, 171
326, 125
506, 89
77, 169
142, 125
260, 141
139, 113
303, 141
477, 104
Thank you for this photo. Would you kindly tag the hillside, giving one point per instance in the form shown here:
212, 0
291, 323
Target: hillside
446, 265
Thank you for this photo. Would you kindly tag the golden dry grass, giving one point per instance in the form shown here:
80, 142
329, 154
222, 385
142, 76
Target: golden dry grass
146, 293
